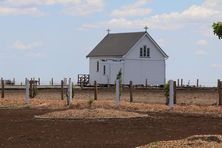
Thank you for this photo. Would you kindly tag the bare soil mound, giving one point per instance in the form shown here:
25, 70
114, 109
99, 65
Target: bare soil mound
199, 141
90, 114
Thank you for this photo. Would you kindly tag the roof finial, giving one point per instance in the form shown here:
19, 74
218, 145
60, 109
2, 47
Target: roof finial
108, 30
146, 28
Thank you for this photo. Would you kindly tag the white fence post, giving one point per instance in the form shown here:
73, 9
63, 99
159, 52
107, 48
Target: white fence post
117, 93
26, 91
171, 101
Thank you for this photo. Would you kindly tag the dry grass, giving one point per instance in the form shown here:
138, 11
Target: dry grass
200, 141
33, 103
197, 97
110, 104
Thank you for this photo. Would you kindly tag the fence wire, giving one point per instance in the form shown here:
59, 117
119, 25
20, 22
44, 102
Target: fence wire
203, 96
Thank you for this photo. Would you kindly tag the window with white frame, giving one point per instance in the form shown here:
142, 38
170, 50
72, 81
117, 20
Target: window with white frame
144, 52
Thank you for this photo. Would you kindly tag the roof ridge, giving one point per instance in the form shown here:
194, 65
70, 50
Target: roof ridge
116, 44
127, 32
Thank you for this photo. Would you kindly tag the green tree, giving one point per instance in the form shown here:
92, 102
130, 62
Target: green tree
217, 27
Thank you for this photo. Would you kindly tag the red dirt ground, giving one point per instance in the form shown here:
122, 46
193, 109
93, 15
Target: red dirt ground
19, 129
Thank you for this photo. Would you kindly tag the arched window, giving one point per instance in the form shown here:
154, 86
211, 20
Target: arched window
141, 52
144, 52
148, 52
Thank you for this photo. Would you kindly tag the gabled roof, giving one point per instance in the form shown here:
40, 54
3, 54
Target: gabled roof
118, 44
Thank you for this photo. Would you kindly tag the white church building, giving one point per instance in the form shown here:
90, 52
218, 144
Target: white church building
139, 58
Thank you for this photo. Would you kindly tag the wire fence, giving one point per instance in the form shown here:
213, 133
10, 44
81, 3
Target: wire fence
54, 90
185, 95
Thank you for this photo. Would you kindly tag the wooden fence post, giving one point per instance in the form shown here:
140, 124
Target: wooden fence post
62, 89
3, 88
181, 83
175, 92
131, 91
13, 81
39, 81
27, 91
31, 88
35, 88
146, 83
73, 88
219, 92
95, 90
52, 81
178, 82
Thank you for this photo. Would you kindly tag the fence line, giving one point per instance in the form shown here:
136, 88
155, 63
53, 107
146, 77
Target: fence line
3, 88
33, 87
219, 92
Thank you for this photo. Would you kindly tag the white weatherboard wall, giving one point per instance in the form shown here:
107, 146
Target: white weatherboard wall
134, 68
112, 69
139, 69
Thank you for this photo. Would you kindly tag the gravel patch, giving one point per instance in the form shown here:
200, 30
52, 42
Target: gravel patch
206, 110
90, 114
198, 141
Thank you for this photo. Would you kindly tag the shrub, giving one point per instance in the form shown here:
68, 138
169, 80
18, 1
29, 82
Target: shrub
167, 90
90, 102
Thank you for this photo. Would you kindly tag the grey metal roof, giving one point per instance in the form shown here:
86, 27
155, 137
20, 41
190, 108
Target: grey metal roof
116, 45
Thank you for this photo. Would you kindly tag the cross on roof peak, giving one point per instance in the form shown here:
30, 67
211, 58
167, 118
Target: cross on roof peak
108, 30
146, 28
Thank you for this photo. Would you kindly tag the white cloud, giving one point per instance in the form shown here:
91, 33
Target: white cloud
38, 2
20, 11
202, 42
162, 42
32, 7
202, 16
26, 46
85, 7
206, 30
35, 54
33, 49
201, 52
213, 4
135, 9
87, 26
216, 65
19, 49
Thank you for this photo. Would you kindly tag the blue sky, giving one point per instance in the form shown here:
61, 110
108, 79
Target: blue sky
51, 38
